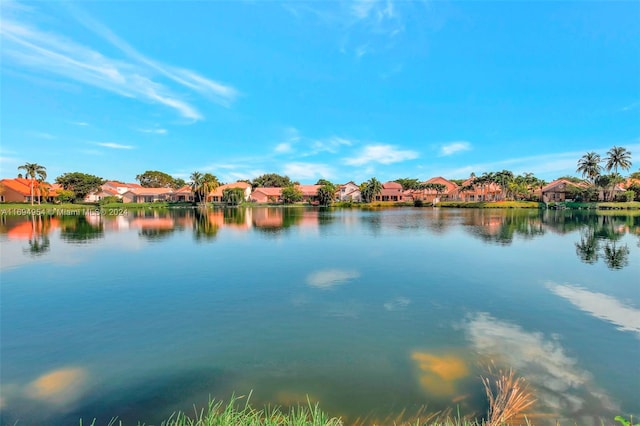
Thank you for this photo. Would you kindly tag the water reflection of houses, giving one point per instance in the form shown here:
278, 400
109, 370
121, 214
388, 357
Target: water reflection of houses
279, 218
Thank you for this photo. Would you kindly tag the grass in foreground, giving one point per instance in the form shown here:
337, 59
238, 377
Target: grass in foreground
507, 394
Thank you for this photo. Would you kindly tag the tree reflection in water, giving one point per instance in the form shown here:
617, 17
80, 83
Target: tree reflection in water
608, 229
205, 227
39, 242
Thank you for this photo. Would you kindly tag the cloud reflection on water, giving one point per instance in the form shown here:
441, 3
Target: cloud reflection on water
600, 306
328, 278
562, 387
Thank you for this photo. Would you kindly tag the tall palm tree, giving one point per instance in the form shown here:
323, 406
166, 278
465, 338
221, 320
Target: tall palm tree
43, 190
31, 171
373, 187
589, 166
195, 184
618, 157
209, 184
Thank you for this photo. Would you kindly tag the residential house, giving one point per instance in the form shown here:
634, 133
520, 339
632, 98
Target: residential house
266, 195
391, 191
561, 190
471, 190
147, 195
432, 196
216, 195
309, 192
19, 190
349, 192
111, 188
183, 194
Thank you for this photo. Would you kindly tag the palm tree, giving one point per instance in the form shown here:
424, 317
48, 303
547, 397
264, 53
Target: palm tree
209, 184
202, 185
589, 166
31, 171
196, 183
373, 187
43, 190
618, 157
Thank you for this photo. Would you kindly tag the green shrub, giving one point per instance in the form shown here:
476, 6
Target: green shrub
110, 200
418, 203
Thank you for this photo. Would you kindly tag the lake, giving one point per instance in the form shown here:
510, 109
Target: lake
368, 312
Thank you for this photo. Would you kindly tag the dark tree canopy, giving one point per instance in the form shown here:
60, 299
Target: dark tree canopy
272, 180
408, 183
80, 183
324, 182
326, 194
157, 179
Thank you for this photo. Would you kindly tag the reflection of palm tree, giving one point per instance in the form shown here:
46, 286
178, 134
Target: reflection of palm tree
203, 226
39, 240
38, 245
616, 257
587, 248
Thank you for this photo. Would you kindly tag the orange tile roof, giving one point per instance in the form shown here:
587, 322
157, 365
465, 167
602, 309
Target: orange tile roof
269, 191
17, 186
23, 186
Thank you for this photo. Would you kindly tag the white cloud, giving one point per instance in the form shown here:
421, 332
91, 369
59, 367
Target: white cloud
156, 131
383, 154
631, 106
283, 147
328, 278
80, 123
362, 8
600, 306
113, 145
454, 147
139, 77
552, 164
306, 171
292, 136
362, 50
397, 304
331, 145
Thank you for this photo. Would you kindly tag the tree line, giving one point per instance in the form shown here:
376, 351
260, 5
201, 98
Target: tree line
76, 185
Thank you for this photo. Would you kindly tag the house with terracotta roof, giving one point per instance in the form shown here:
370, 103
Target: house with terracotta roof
561, 190
431, 195
184, 194
349, 192
147, 195
266, 195
309, 192
18, 190
216, 195
111, 188
391, 191
472, 190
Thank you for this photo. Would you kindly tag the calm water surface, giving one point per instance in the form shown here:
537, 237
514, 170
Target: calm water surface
368, 312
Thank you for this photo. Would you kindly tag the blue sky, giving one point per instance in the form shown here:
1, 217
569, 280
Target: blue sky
343, 90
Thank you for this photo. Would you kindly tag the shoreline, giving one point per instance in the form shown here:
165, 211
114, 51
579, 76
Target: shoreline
117, 209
